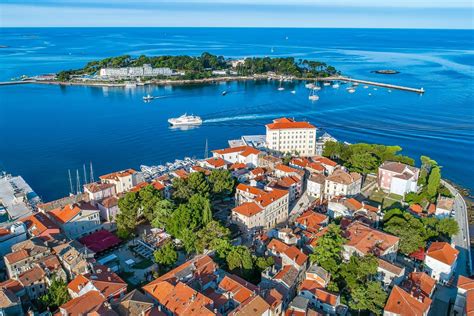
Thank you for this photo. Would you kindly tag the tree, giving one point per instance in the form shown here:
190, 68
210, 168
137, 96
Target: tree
448, 227
222, 182
181, 190
368, 296
57, 294
188, 238
126, 220
263, 263
207, 236
327, 252
364, 162
198, 183
162, 211
358, 270
166, 255
410, 230
201, 206
239, 258
433, 182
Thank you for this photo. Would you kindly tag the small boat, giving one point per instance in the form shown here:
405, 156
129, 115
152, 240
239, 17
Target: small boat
309, 85
389, 90
335, 86
224, 92
327, 84
316, 88
351, 90
366, 87
375, 89
280, 88
313, 96
355, 84
185, 120
130, 85
272, 50
370, 93
148, 98
293, 91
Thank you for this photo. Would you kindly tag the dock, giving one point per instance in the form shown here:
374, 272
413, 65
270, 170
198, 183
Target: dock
373, 83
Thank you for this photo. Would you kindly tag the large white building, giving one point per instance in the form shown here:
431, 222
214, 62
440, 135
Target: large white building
288, 136
398, 178
441, 259
129, 72
342, 183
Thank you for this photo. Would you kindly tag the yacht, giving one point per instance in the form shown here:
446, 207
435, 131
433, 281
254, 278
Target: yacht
327, 83
316, 88
335, 86
185, 120
148, 98
309, 85
313, 96
351, 90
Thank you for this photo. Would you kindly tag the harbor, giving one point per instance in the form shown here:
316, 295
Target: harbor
373, 83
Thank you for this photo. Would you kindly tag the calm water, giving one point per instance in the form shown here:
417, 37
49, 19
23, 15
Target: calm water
46, 130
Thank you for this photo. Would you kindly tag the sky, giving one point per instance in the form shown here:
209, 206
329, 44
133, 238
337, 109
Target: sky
446, 14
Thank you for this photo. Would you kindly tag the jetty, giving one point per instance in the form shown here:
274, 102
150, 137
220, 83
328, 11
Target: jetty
9, 83
373, 83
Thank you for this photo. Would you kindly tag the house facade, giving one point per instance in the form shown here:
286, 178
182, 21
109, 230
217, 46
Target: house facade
289, 136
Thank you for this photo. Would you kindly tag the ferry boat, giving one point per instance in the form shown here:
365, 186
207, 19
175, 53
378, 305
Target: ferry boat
185, 120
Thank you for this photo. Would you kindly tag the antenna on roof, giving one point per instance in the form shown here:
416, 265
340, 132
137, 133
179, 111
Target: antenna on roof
78, 182
70, 181
206, 151
85, 173
91, 174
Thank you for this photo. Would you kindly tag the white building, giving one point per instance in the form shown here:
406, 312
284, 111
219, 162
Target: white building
130, 72
123, 180
341, 183
315, 185
288, 136
10, 236
444, 206
98, 191
441, 259
77, 220
242, 154
398, 178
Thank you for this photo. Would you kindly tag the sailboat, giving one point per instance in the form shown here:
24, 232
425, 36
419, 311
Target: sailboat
280, 88
313, 96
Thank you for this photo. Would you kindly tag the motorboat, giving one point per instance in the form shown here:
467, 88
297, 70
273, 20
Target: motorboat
335, 86
148, 98
185, 120
309, 85
327, 84
224, 92
313, 96
351, 90
293, 91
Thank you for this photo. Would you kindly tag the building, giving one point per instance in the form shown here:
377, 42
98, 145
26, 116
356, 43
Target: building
464, 304
315, 185
97, 191
252, 306
311, 221
441, 259
402, 303
10, 304
133, 72
25, 255
73, 257
40, 225
134, 303
389, 274
289, 136
77, 220
419, 284
123, 180
398, 178
319, 297
341, 183
241, 154
362, 240
106, 282
91, 303
328, 164
10, 236
34, 281
108, 208
257, 208
17, 199
444, 206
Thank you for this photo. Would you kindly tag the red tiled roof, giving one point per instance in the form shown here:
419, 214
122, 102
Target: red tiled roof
356, 205
237, 166
16, 256
296, 255
416, 208
420, 281
286, 123
368, 240
442, 251
106, 282
253, 306
12, 284
109, 202
83, 304
38, 223
286, 168
311, 219
68, 212
250, 189
402, 303
270, 197
320, 293
277, 245
239, 149
216, 162
241, 289
97, 187
248, 209
325, 161
181, 173
118, 174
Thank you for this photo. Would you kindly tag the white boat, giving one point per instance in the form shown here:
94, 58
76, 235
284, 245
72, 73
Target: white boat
375, 89
316, 88
335, 86
370, 93
365, 87
313, 96
351, 90
293, 91
389, 90
130, 85
148, 97
185, 120
280, 88
309, 85
355, 84
327, 84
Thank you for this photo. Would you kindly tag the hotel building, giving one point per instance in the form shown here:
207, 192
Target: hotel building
288, 136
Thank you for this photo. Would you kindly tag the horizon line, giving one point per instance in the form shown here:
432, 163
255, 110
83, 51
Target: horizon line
240, 27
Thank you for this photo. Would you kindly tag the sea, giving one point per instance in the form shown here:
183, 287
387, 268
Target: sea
46, 130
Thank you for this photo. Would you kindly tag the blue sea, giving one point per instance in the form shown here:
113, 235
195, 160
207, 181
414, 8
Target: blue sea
46, 130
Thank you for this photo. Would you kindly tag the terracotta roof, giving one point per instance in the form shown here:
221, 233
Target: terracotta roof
83, 304
442, 251
216, 162
325, 161
420, 281
237, 166
249, 151
273, 297
286, 123
201, 169
31, 276
250, 189
318, 178
286, 168
388, 266
287, 182
67, 213
38, 223
248, 209
106, 282
463, 283
109, 202
8, 298
402, 303
181, 173
354, 205
118, 174
139, 186
320, 293
239, 149
416, 208
368, 240
258, 171
316, 166
241, 289
296, 255
287, 276
253, 306
16, 256
340, 176
311, 219
98, 186
300, 162
270, 197
13, 285
397, 167
277, 245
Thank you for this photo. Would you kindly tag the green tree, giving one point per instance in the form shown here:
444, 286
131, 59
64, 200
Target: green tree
263, 263
239, 258
162, 211
207, 236
368, 296
181, 190
149, 197
433, 182
358, 270
198, 183
327, 252
363, 162
57, 294
166, 255
408, 228
201, 206
126, 220
448, 227
222, 182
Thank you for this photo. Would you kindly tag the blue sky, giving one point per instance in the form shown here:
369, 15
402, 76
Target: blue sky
264, 13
